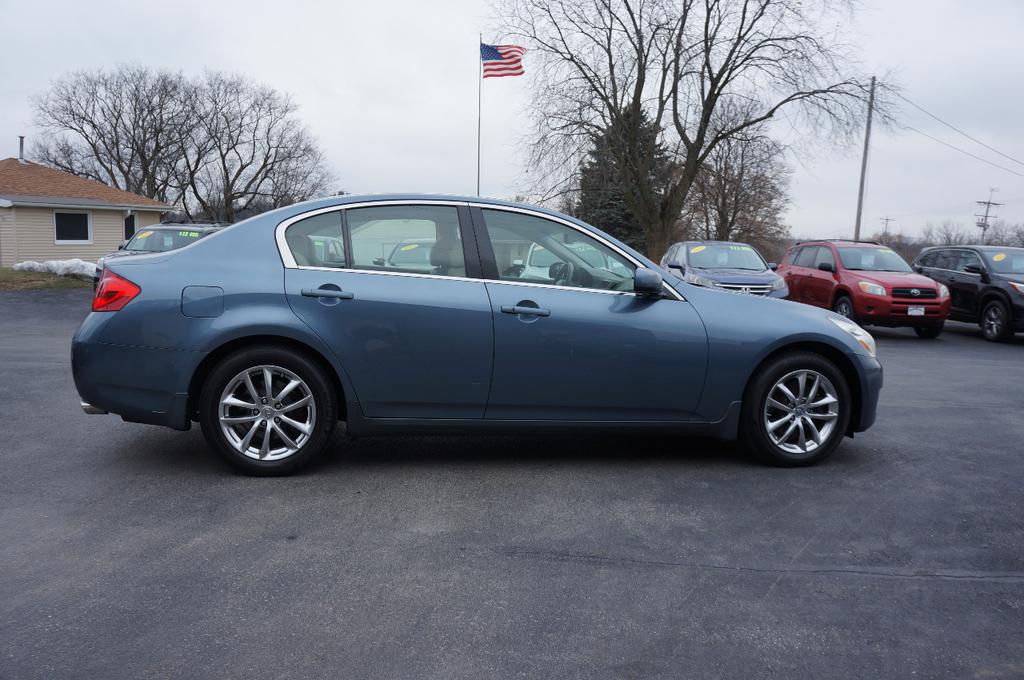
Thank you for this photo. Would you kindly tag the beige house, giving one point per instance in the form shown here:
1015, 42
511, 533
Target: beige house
47, 214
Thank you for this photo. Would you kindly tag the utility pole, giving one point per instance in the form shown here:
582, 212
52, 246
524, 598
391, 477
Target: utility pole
984, 217
885, 226
864, 161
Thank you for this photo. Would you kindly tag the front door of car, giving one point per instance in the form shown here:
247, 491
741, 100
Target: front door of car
413, 333
965, 286
578, 344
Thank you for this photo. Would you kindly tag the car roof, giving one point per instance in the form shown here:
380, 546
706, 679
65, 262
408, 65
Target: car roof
846, 243
972, 247
190, 227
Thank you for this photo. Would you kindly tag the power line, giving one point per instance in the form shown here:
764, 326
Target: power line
953, 127
966, 153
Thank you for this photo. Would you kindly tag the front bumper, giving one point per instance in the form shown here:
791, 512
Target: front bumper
870, 375
886, 311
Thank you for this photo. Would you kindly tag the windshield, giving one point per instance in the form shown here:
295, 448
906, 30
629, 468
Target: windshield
1009, 261
725, 256
873, 259
159, 240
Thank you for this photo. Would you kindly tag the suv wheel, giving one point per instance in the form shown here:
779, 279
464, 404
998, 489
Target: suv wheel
267, 410
844, 307
796, 410
995, 322
929, 332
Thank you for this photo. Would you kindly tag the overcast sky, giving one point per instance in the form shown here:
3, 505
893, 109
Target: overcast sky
390, 89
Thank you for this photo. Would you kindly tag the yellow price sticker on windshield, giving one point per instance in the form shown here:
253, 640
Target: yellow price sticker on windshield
144, 234
411, 246
697, 249
999, 257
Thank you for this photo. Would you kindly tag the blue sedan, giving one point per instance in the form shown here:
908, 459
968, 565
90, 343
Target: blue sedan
271, 331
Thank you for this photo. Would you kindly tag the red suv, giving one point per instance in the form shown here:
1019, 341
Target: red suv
866, 282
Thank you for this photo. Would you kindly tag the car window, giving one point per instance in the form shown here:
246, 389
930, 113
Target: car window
806, 256
423, 239
538, 250
824, 256
160, 240
879, 259
967, 258
317, 241
1006, 261
927, 260
725, 256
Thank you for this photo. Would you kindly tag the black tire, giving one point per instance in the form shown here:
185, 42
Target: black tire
754, 434
843, 306
323, 407
995, 322
929, 332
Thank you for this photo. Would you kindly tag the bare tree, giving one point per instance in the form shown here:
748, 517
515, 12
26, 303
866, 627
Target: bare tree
248, 151
948, 233
599, 62
119, 127
740, 191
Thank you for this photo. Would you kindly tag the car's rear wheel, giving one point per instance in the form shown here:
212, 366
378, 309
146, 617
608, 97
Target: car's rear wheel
796, 410
995, 322
844, 307
929, 332
267, 410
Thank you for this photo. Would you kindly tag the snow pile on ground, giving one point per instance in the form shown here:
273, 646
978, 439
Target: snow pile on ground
75, 267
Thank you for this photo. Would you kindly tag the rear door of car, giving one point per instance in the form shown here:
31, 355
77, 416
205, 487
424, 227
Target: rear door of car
583, 347
415, 341
799, 272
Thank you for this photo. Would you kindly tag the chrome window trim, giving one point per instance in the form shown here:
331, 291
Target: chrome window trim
289, 260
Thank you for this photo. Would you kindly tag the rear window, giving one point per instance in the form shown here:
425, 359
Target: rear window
805, 258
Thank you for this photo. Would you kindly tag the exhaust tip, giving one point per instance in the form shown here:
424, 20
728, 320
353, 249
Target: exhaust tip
92, 410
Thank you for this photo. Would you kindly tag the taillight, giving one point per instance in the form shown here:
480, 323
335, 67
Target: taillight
113, 292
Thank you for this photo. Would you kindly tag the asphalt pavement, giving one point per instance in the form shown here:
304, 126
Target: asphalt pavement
130, 551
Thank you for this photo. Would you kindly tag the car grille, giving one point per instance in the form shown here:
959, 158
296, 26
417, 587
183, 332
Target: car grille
922, 293
754, 289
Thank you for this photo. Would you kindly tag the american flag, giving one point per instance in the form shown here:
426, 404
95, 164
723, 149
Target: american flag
501, 60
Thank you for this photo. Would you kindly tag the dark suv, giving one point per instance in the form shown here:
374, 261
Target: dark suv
986, 284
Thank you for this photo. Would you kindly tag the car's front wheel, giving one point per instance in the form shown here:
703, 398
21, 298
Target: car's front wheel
995, 322
796, 410
844, 307
267, 410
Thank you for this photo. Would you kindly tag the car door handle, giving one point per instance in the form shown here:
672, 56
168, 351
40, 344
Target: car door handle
327, 293
532, 311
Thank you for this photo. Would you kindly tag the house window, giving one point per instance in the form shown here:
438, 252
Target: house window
72, 227
129, 227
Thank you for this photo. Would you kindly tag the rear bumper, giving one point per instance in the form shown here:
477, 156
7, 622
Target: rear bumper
883, 311
870, 374
140, 384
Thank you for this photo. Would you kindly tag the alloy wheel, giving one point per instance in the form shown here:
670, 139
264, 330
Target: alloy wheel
801, 410
267, 412
844, 308
993, 322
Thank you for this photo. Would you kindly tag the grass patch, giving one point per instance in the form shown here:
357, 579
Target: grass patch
13, 280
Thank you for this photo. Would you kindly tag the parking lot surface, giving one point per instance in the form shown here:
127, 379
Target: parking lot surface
130, 551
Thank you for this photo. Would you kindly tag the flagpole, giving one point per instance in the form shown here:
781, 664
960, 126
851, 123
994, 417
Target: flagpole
479, 97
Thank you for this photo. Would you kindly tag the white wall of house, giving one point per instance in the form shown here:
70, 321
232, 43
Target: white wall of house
28, 233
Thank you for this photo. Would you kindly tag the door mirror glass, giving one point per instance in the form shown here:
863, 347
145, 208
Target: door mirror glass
773, 265
826, 267
647, 282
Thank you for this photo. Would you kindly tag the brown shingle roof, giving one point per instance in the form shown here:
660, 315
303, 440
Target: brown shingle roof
36, 182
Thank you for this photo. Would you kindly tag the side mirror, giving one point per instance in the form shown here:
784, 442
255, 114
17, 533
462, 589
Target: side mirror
827, 267
773, 266
973, 269
123, 244
379, 261
647, 282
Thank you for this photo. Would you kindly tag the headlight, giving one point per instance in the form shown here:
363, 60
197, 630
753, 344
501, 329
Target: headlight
858, 333
698, 280
944, 291
1019, 287
871, 288
779, 283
